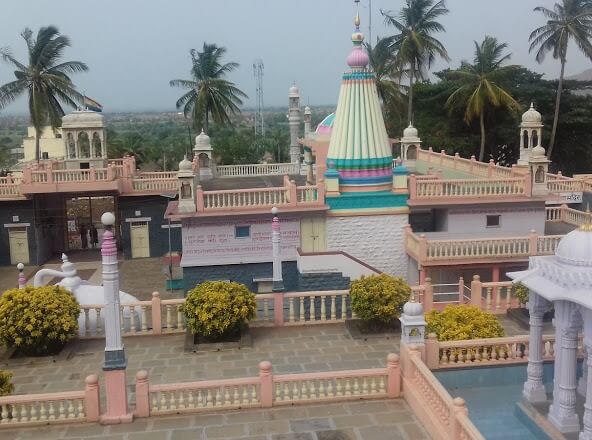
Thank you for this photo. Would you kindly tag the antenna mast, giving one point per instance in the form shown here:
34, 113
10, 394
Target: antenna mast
258, 69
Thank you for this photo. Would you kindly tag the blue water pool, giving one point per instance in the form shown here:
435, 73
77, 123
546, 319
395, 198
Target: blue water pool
491, 395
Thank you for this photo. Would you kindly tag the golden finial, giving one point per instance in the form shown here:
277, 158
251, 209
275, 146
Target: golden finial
587, 226
412, 297
357, 21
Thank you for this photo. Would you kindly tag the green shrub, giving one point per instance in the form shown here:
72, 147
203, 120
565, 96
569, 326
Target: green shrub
38, 320
462, 322
379, 299
217, 308
521, 292
6, 386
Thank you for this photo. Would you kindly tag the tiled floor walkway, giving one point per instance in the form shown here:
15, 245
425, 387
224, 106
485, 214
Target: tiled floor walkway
305, 349
290, 350
375, 420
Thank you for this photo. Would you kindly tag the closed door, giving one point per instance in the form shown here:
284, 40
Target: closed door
19, 245
140, 240
312, 235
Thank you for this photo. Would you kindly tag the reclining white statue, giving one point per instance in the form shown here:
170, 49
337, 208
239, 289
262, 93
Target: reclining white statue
86, 294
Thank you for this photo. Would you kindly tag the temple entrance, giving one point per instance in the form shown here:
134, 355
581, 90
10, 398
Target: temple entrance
83, 221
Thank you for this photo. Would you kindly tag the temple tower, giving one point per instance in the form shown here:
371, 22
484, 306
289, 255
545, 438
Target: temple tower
360, 150
294, 120
366, 195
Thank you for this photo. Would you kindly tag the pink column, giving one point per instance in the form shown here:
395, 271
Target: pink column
457, 408
476, 288
266, 384
422, 276
142, 394
428, 296
92, 406
393, 389
156, 314
116, 397
115, 362
495, 277
278, 309
432, 349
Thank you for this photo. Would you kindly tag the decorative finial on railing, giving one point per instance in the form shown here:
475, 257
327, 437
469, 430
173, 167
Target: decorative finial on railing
22, 280
108, 248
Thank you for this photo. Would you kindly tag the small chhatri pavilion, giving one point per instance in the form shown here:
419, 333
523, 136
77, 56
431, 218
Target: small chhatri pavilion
563, 280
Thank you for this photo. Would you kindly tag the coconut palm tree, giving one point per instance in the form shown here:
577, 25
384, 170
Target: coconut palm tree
414, 46
210, 94
479, 84
45, 79
381, 62
570, 19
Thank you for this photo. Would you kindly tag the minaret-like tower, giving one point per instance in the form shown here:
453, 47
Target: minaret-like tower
307, 121
359, 151
531, 132
294, 119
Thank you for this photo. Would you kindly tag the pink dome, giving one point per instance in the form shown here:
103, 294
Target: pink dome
326, 125
358, 57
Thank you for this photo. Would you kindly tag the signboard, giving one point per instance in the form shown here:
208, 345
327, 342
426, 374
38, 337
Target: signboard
567, 198
209, 244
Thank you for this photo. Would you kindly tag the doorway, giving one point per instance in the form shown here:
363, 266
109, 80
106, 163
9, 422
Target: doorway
312, 234
83, 221
140, 239
19, 245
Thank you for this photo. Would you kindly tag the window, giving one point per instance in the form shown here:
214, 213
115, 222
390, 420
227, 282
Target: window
494, 221
242, 231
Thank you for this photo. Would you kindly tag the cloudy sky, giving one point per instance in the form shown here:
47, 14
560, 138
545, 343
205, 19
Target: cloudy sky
134, 47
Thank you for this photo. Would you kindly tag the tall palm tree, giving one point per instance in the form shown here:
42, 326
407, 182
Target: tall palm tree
414, 46
478, 84
45, 79
210, 94
382, 63
571, 19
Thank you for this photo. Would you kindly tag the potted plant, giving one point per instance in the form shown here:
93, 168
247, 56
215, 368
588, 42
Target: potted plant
217, 314
377, 301
38, 321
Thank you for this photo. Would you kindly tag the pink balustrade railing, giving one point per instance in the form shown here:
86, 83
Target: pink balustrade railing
469, 166
568, 215
245, 199
264, 169
435, 251
442, 416
438, 189
51, 408
267, 390
486, 352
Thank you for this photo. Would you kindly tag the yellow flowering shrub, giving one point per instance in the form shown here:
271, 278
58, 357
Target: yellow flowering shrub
217, 308
521, 292
38, 320
462, 322
6, 386
379, 298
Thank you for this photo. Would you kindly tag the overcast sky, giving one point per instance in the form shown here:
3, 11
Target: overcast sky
134, 47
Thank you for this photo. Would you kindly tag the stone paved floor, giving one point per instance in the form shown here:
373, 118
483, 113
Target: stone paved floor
367, 420
289, 349
512, 328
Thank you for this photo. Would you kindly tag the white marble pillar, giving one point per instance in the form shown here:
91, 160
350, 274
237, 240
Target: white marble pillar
278, 282
562, 412
586, 433
114, 354
583, 381
534, 389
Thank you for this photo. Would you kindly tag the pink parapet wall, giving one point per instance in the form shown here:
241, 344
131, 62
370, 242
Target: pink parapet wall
116, 396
